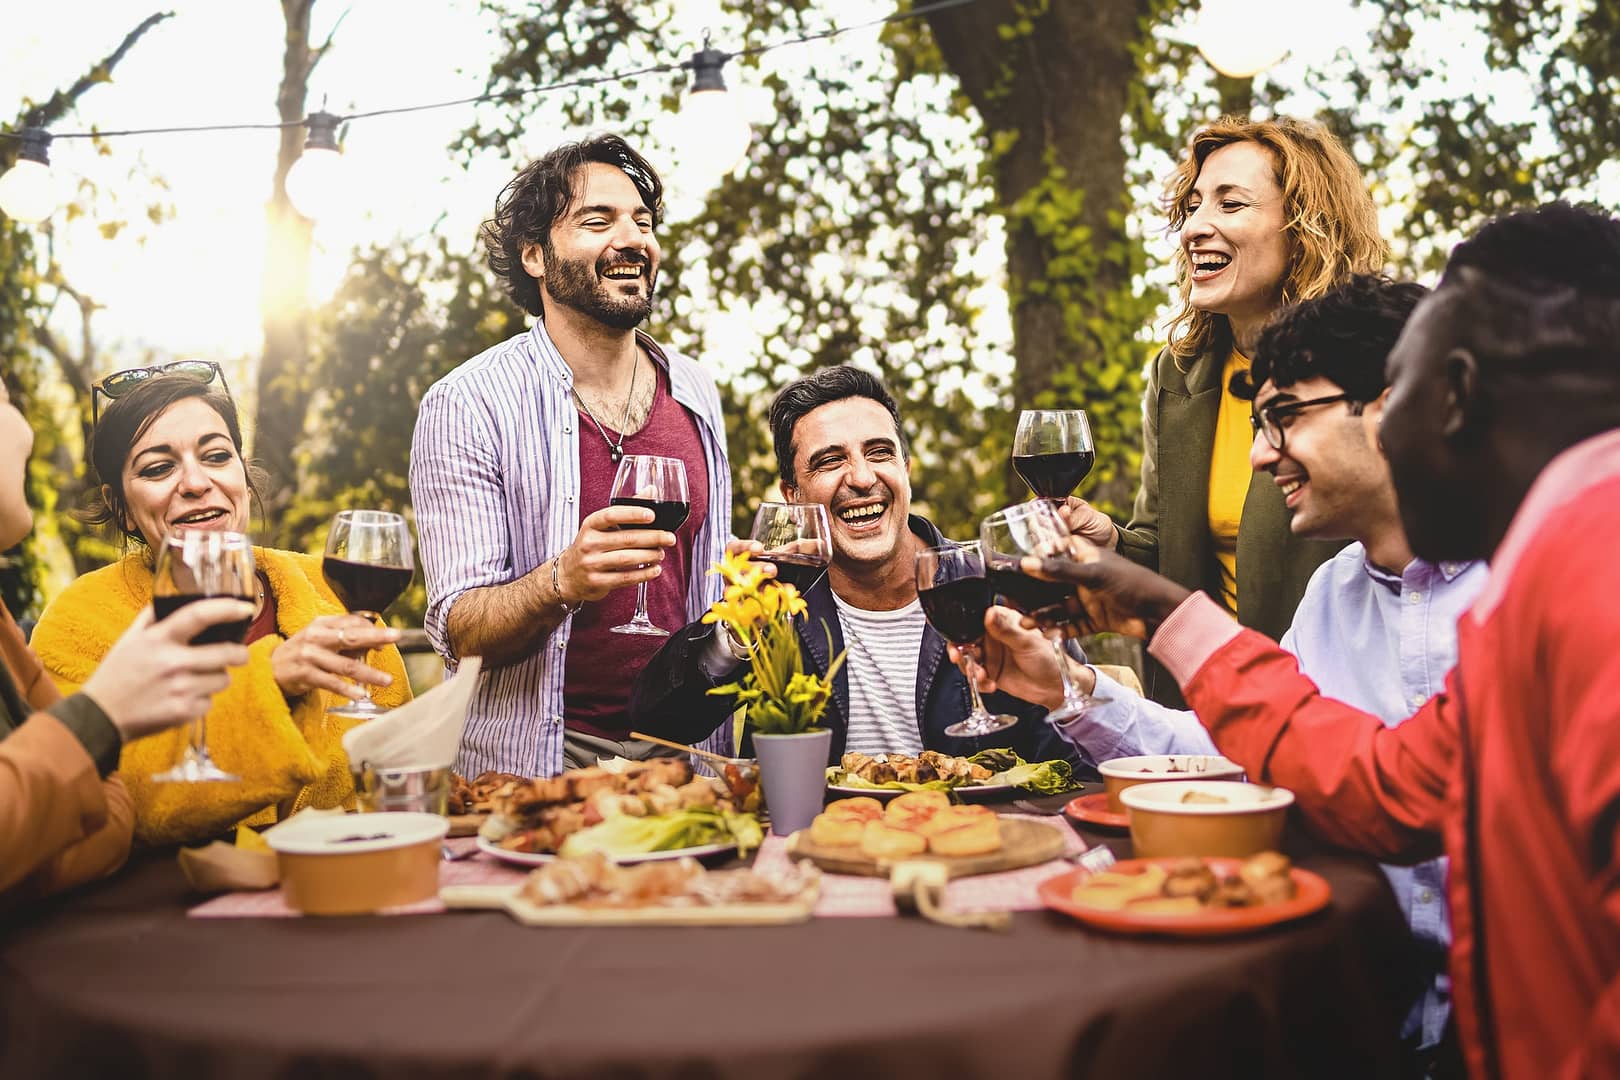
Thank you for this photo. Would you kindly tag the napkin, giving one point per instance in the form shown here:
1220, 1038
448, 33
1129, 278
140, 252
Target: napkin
424, 733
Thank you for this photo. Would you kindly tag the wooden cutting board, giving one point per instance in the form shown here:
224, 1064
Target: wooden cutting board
1023, 843
505, 898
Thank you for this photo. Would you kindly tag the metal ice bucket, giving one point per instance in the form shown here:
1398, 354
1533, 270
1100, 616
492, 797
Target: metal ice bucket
423, 789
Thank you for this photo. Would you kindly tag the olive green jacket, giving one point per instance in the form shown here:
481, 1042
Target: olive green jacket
1169, 528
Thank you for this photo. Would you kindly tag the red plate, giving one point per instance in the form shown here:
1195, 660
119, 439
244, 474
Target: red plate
1311, 895
1093, 810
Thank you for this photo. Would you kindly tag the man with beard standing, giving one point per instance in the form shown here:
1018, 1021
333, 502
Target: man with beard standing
513, 461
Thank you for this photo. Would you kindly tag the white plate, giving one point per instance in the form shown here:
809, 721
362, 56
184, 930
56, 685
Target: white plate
531, 858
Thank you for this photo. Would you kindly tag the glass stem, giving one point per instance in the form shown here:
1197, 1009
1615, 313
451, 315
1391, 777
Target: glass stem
641, 602
973, 689
199, 736
1070, 691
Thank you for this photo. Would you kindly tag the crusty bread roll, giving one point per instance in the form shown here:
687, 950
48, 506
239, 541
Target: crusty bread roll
910, 810
952, 817
860, 808
829, 831
882, 841
978, 837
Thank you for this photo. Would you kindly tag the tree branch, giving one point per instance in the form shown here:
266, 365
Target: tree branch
63, 100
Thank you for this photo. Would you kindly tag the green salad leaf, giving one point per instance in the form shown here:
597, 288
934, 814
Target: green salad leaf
694, 827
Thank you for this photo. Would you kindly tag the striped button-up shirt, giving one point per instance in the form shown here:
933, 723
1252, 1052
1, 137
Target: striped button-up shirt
495, 485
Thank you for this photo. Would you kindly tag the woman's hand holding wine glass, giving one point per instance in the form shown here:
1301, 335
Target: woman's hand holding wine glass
318, 657
368, 564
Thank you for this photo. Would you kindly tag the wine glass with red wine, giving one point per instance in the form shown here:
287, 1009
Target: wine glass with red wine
657, 484
797, 541
954, 594
1034, 528
1052, 451
368, 564
191, 565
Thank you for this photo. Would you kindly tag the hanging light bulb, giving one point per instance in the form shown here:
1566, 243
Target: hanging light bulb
28, 191
1242, 38
315, 183
713, 134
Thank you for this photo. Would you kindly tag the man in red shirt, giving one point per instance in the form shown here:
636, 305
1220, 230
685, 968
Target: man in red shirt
1502, 429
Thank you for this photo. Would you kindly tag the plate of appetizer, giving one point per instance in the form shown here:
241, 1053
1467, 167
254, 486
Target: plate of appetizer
1188, 897
987, 776
645, 811
863, 836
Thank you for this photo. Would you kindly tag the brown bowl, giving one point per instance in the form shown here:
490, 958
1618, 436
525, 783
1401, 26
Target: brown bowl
1247, 821
350, 864
1121, 773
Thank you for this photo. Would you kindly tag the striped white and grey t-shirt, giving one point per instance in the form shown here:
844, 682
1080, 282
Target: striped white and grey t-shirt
883, 649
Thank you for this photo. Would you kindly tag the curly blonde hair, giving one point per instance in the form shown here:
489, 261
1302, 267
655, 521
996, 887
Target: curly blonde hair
1329, 217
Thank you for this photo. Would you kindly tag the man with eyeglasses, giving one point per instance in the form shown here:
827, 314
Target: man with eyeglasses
1377, 625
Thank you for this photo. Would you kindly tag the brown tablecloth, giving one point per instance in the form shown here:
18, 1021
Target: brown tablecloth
116, 981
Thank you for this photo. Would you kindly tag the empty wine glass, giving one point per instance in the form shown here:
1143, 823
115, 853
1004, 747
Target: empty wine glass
192, 565
1052, 451
657, 484
1034, 528
368, 564
796, 541
954, 594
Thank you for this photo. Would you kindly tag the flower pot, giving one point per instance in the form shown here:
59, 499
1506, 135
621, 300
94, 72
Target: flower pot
793, 773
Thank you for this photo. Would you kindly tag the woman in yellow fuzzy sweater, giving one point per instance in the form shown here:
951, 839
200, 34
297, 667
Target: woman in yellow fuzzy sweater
169, 455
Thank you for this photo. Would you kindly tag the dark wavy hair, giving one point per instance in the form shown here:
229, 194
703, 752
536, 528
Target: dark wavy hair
1344, 335
802, 396
125, 420
1539, 289
531, 203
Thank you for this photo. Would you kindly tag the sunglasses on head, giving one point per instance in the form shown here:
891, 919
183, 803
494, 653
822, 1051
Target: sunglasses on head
120, 383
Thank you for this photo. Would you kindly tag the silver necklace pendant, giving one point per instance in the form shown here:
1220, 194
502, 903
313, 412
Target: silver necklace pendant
615, 454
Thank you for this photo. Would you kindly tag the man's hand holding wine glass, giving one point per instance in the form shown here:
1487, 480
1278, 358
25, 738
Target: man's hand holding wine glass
616, 546
153, 678
1016, 658
1116, 594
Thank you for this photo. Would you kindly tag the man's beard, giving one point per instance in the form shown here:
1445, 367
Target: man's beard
583, 287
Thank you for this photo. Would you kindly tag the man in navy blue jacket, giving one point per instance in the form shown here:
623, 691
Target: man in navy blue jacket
838, 442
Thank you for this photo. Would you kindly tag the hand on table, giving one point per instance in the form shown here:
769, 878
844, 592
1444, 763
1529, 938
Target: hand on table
154, 678
315, 657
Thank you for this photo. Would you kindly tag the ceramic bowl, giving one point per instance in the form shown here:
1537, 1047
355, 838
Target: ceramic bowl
1184, 818
1121, 773
350, 864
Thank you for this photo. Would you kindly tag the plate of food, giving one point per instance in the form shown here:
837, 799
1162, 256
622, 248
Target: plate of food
1188, 897
987, 776
863, 836
593, 890
471, 801
646, 811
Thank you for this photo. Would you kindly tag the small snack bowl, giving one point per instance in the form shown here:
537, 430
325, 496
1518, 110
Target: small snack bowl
1121, 773
1206, 818
351, 864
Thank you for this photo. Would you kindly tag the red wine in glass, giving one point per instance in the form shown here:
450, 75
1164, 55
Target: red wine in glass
668, 514
234, 631
799, 571
954, 595
365, 586
1054, 475
956, 609
795, 539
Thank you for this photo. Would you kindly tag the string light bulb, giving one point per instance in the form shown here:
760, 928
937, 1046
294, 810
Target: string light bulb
713, 133
28, 191
315, 182
1242, 38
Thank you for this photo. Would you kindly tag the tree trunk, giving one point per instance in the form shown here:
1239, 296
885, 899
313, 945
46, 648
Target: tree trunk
1059, 80
283, 391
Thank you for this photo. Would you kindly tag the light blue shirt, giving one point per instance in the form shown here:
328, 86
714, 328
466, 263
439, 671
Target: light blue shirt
494, 481
1380, 641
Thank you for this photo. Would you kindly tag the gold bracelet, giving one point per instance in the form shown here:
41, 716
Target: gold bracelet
556, 587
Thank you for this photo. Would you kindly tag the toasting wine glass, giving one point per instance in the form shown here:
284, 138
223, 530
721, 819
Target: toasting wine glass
657, 484
1008, 535
1052, 451
796, 538
955, 596
368, 564
191, 565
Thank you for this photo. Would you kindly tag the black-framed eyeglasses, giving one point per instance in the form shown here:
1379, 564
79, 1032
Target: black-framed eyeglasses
1267, 420
120, 383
